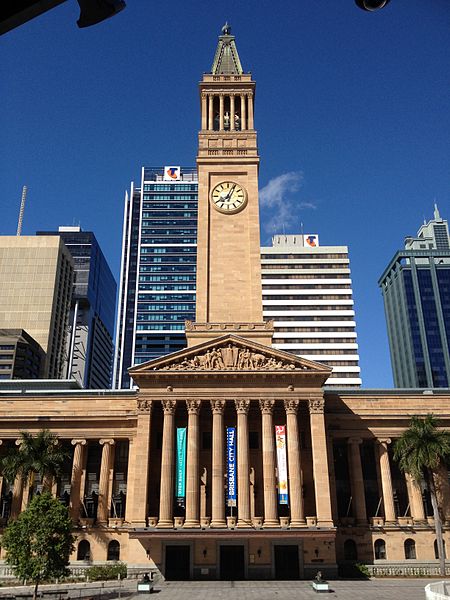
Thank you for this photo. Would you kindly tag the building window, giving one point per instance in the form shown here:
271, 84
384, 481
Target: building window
410, 549
436, 554
84, 550
380, 549
113, 550
350, 550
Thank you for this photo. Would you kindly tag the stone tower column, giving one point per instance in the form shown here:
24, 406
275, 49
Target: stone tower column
357, 480
192, 465
243, 464
218, 465
75, 481
167, 466
320, 462
268, 460
103, 485
386, 480
294, 464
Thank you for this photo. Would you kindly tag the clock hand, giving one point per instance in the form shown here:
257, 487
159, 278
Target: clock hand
228, 196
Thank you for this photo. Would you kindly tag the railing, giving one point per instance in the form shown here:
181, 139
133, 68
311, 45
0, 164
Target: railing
438, 591
406, 570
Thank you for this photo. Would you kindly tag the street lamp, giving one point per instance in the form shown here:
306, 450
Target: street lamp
371, 5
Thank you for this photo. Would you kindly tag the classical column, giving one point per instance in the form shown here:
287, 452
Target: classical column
218, 465
357, 480
250, 112
294, 464
268, 459
232, 112
221, 113
243, 113
18, 492
386, 480
138, 467
192, 465
204, 111
320, 462
103, 485
415, 499
243, 465
167, 466
75, 480
210, 112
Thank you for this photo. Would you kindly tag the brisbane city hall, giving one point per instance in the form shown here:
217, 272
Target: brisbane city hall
228, 460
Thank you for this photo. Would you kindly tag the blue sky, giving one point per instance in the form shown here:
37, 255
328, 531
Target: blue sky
352, 109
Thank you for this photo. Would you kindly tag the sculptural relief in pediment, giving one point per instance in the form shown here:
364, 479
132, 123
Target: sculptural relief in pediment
231, 358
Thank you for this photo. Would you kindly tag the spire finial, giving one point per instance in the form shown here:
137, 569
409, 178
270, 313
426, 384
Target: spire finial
437, 216
226, 29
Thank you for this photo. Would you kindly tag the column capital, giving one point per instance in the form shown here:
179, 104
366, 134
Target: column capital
217, 407
242, 406
354, 441
77, 442
169, 406
266, 406
384, 442
316, 406
144, 405
107, 441
193, 406
291, 406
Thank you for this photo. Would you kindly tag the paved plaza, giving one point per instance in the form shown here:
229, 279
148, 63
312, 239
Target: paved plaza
385, 589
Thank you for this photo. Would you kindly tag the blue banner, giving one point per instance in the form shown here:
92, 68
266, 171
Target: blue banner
231, 466
181, 466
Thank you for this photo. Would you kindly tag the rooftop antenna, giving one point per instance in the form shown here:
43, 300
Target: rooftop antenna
22, 210
301, 227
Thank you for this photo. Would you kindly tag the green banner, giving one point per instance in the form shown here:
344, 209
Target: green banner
181, 466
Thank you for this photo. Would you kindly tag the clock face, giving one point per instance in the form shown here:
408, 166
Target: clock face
229, 197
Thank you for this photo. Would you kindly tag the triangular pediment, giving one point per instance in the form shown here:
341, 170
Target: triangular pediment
233, 354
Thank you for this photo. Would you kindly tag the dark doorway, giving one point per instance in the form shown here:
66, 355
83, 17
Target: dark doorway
286, 562
178, 563
232, 565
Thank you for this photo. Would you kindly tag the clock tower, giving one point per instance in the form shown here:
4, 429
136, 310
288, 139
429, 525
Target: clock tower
229, 297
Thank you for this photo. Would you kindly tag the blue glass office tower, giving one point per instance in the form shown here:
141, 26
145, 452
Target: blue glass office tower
416, 293
89, 352
157, 280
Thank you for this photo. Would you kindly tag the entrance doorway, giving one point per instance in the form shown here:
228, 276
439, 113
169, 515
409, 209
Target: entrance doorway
178, 563
232, 563
286, 562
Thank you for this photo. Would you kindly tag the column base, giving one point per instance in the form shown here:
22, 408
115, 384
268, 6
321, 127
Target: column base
298, 523
192, 524
325, 524
244, 524
165, 524
271, 524
219, 524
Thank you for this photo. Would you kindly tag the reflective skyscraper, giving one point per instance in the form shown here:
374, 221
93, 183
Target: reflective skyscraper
416, 293
157, 281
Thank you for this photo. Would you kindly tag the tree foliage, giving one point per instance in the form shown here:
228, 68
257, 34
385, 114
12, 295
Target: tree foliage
420, 451
38, 544
41, 454
106, 572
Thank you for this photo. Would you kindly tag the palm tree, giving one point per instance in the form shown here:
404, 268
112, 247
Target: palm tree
41, 454
419, 451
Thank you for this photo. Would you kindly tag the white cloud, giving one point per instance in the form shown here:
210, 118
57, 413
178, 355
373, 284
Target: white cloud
279, 209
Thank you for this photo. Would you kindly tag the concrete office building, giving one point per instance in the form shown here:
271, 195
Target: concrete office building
21, 357
416, 293
36, 277
157, 279
307, 291
89, 352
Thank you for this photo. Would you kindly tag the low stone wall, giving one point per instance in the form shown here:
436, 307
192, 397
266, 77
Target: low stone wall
407, 569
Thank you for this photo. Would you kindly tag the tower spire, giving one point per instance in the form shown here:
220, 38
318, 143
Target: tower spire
226, 59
